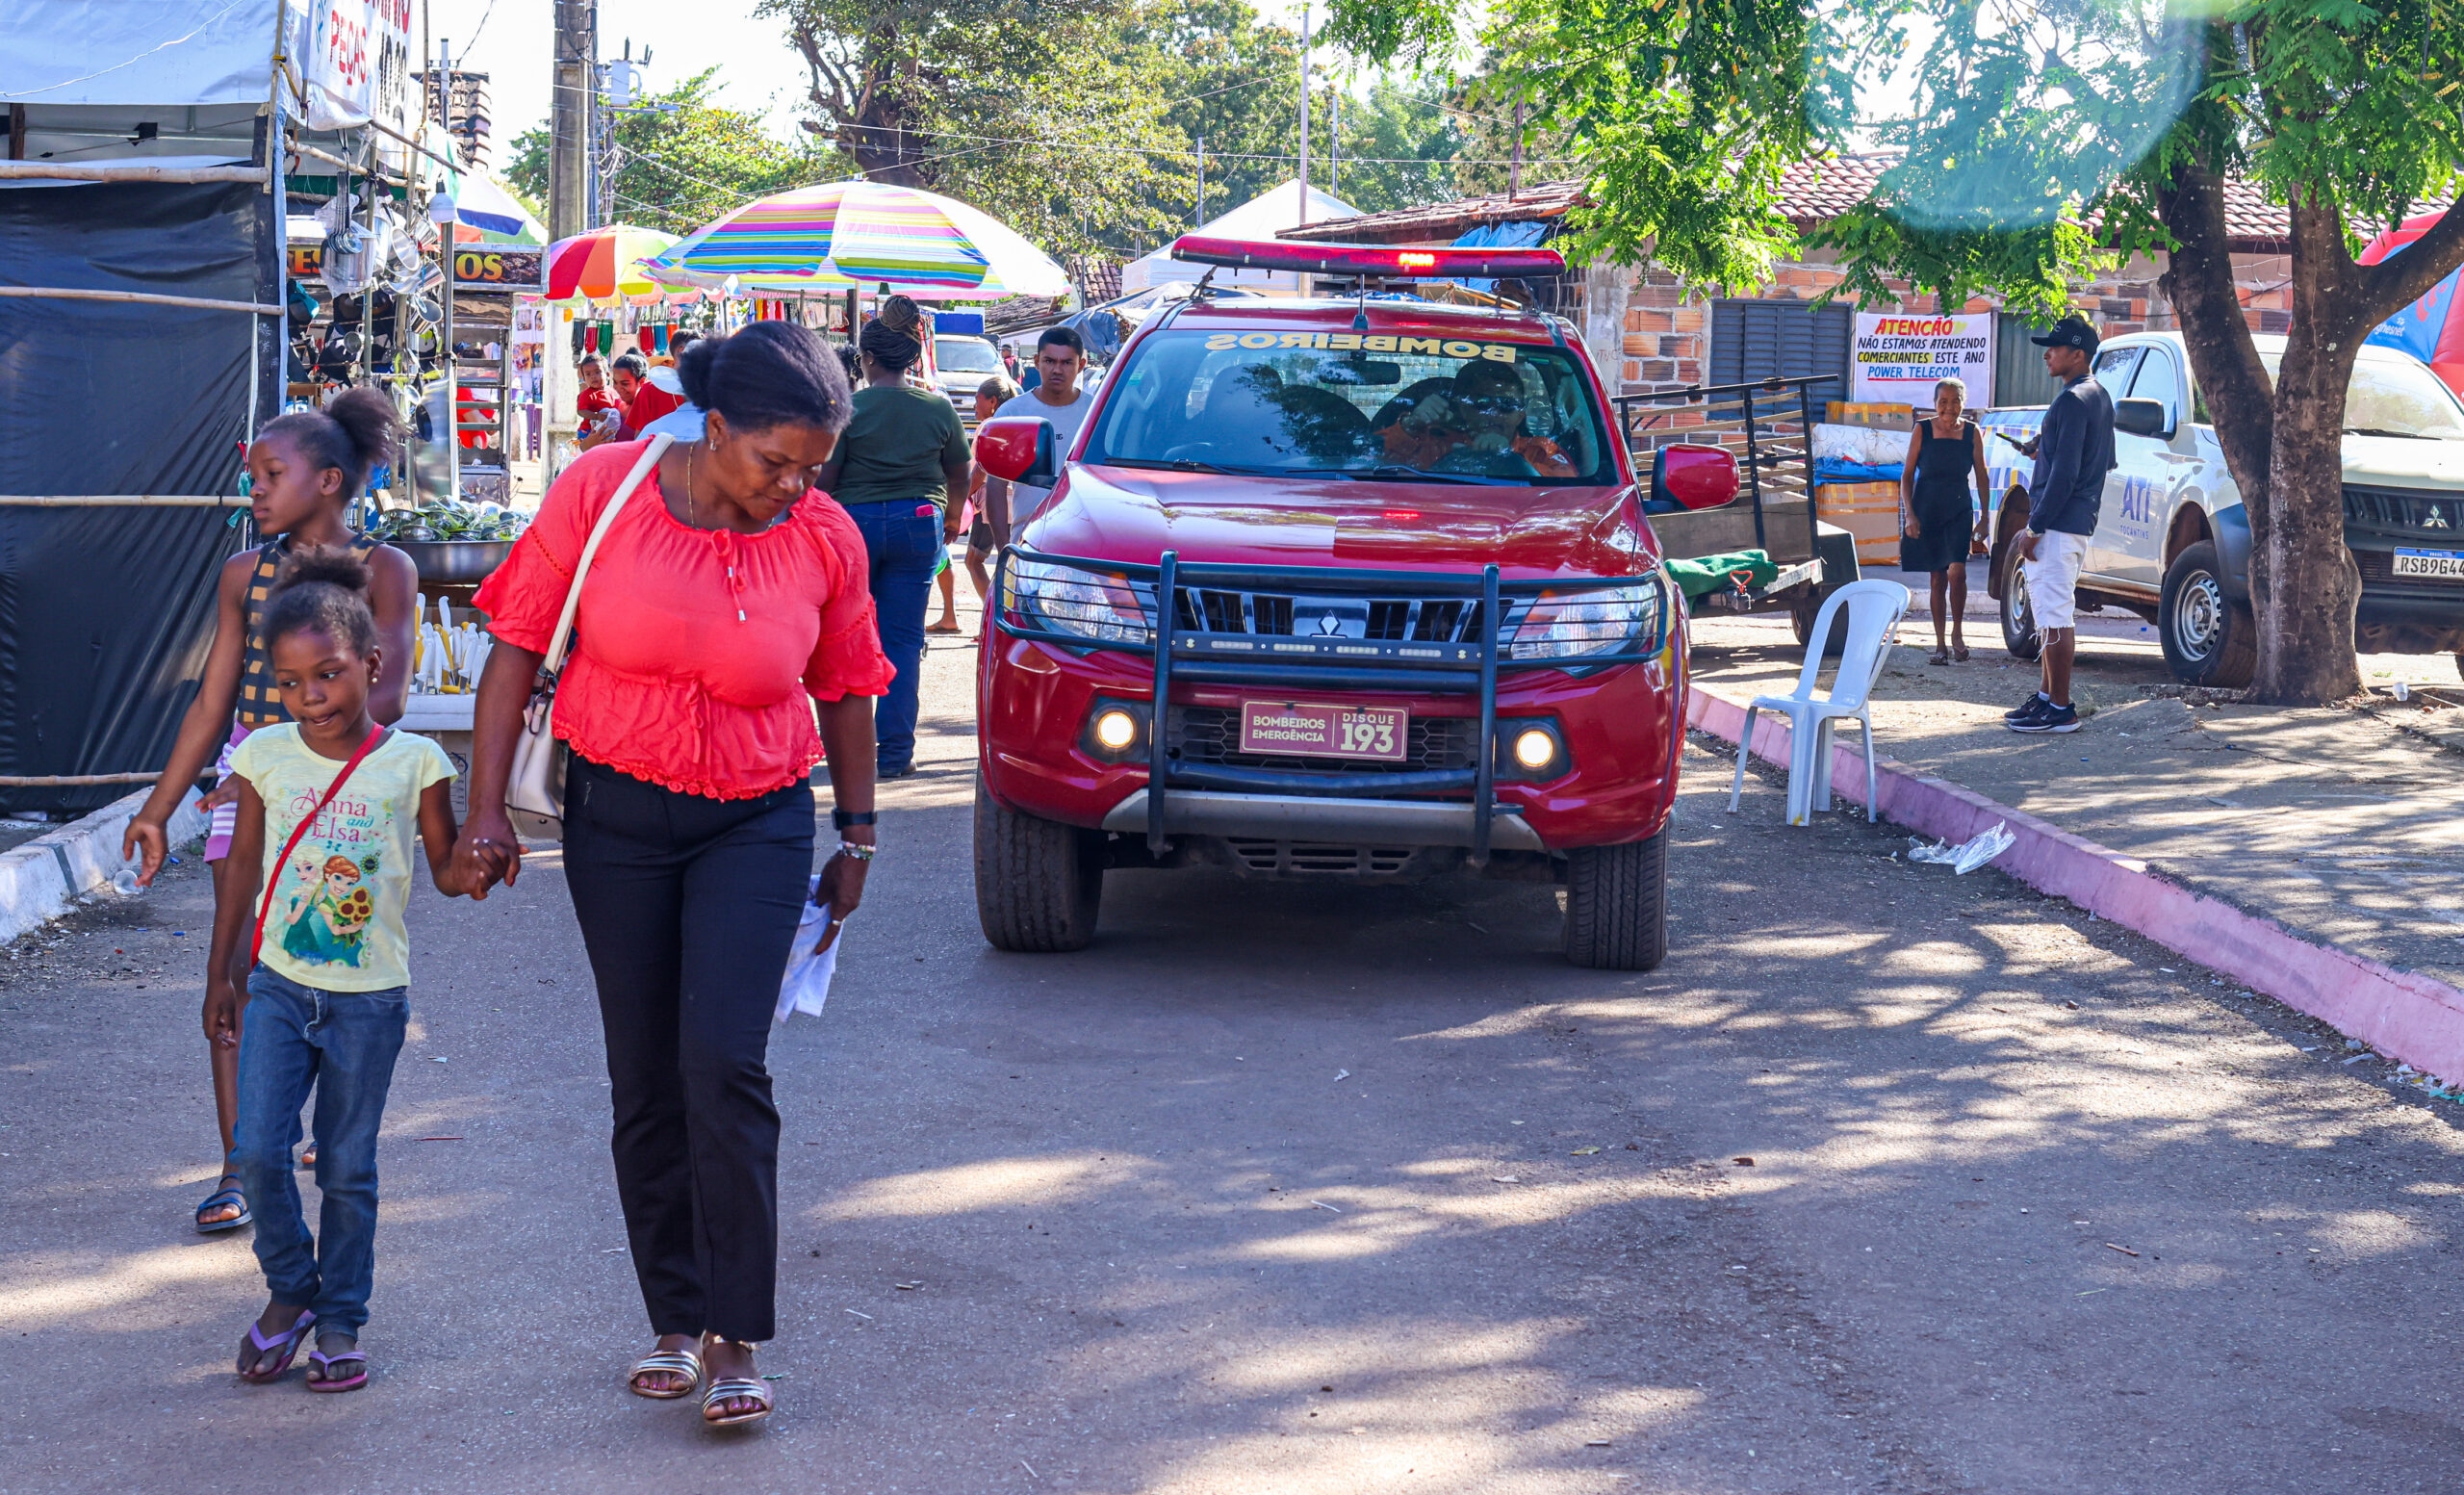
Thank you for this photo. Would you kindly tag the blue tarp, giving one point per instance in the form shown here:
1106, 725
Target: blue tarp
1840, 470
1498, 235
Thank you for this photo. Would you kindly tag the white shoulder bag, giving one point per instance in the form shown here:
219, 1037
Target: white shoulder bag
534, 794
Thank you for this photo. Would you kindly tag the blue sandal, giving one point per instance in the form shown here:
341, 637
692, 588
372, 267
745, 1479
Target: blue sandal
216, 1201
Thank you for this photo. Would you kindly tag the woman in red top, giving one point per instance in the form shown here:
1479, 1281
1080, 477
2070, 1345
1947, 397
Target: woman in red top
726, 609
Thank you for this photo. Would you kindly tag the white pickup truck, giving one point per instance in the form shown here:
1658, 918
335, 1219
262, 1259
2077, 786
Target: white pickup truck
2172, 540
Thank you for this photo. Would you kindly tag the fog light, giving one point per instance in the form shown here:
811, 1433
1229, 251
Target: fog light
1116, 730
1534, 749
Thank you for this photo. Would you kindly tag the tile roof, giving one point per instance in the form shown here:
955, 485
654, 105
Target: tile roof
1812, 193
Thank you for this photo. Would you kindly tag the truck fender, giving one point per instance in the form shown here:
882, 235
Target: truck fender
2232, 528
2009, 519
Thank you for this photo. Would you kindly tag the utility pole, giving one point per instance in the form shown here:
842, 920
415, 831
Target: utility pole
1335, 140
1304, 120
574, 82
1197, 215
1514, 172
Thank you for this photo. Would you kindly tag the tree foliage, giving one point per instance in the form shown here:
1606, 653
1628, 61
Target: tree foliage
2034, 143
1034, 113
684, 159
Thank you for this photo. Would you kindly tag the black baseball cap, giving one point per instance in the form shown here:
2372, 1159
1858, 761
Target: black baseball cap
2071, 331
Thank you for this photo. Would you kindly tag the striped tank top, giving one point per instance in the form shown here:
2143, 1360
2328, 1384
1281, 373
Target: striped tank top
260, 703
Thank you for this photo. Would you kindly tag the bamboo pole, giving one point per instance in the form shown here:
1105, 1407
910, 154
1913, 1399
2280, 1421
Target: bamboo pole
148, 297
121, 500
117, 172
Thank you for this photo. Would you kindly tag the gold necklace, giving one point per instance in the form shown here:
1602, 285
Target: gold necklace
692, 514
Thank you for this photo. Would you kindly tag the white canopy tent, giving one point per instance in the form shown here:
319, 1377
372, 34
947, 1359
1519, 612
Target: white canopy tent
1262, 217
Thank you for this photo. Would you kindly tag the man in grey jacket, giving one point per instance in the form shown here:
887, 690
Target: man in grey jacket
2075, 451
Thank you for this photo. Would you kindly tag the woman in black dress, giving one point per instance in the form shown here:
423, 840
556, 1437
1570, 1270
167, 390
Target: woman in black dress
1934, 516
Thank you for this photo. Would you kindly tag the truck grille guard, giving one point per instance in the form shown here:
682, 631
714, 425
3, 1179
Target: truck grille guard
1117, 607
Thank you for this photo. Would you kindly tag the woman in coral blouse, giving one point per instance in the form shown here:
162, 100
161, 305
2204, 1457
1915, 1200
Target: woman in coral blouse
726, 609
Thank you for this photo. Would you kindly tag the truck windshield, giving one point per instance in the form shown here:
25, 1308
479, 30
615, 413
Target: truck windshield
1378, 407
2394, 399
956, 353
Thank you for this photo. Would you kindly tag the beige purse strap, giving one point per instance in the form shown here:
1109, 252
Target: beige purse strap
556, 660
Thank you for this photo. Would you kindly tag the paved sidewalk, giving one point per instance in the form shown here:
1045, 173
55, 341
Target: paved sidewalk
2340, 824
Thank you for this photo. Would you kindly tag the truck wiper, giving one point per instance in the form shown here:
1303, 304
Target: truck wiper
1395, 472
1179, 465
2380, 430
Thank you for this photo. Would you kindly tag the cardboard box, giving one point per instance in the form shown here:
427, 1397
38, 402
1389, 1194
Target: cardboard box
1877, 414
1867, 510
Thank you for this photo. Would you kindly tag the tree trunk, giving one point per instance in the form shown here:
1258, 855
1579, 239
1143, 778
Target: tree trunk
2302, 575
2199, 280
877, 138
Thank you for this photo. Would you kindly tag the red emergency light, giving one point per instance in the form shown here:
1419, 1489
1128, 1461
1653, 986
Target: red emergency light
1373, 261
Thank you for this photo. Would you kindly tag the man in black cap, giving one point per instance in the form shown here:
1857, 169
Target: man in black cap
2074, 450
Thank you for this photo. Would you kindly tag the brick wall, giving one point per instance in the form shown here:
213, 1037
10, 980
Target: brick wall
1665, 340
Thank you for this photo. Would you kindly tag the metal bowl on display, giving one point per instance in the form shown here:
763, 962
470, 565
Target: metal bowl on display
451, 543
453, 563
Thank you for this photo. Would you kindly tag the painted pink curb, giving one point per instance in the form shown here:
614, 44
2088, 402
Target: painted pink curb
2402, 1014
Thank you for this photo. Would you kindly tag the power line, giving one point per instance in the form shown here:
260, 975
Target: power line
1212, 155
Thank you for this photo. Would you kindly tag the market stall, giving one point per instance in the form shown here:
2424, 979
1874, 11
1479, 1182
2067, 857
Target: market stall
144, 238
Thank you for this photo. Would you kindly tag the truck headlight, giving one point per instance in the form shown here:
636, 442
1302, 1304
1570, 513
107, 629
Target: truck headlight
1625, 619
1090, 605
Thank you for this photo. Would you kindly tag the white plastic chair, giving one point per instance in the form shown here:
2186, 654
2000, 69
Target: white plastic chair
1874, 611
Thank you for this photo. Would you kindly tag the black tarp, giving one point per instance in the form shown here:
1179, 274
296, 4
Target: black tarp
106, 612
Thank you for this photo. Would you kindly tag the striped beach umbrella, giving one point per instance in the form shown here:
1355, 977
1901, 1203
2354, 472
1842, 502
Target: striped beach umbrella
842, 235
604, 264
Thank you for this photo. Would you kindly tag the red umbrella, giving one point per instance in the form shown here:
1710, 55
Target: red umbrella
2432, 328
601, 264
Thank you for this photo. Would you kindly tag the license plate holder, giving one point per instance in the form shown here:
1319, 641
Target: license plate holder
1317, 729
2432, 565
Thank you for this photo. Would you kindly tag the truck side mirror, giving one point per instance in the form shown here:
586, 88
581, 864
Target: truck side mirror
2143, 418
1018, 448
1689, 477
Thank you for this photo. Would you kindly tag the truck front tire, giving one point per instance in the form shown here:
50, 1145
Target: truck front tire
2019, 633
2209, 639
1036, 882
1617, 905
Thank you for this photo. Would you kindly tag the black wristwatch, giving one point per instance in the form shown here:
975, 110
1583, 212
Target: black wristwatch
841, 819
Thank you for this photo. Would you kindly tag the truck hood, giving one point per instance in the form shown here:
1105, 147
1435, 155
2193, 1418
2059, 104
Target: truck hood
1136, 514
2402, 462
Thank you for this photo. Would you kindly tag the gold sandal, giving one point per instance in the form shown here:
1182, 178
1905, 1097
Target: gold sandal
667, 1363
733, 1388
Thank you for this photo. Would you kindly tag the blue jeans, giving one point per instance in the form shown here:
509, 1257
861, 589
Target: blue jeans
903, 539
344, 1045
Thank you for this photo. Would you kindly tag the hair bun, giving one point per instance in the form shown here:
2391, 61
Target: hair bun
334, 565
368, 418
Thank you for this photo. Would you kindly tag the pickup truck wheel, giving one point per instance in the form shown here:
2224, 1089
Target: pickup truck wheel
2019, 633
2209, 639
1617, 905
1036, 882
1801, 616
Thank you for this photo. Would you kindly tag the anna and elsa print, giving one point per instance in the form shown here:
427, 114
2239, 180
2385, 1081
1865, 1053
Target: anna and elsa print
326, 912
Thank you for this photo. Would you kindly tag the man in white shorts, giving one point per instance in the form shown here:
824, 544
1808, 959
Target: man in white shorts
2075, 451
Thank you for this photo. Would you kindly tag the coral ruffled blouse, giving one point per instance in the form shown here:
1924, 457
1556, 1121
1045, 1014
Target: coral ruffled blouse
694, 650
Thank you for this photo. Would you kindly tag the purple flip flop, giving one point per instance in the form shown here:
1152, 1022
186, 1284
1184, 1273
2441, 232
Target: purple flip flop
253, 1352
331, 1382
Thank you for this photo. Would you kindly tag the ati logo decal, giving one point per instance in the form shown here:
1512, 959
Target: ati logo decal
2138, 499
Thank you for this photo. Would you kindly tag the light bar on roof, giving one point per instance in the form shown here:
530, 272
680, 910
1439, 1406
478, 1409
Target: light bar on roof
1370, 260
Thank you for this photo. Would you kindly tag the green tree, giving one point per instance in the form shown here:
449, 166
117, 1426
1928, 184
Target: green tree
2019, 127
684, 159
1032, 112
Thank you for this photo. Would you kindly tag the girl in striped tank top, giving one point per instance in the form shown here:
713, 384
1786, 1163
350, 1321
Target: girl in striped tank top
304, 471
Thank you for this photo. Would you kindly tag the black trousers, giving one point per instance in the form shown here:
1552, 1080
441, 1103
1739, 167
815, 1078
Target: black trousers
688, 906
